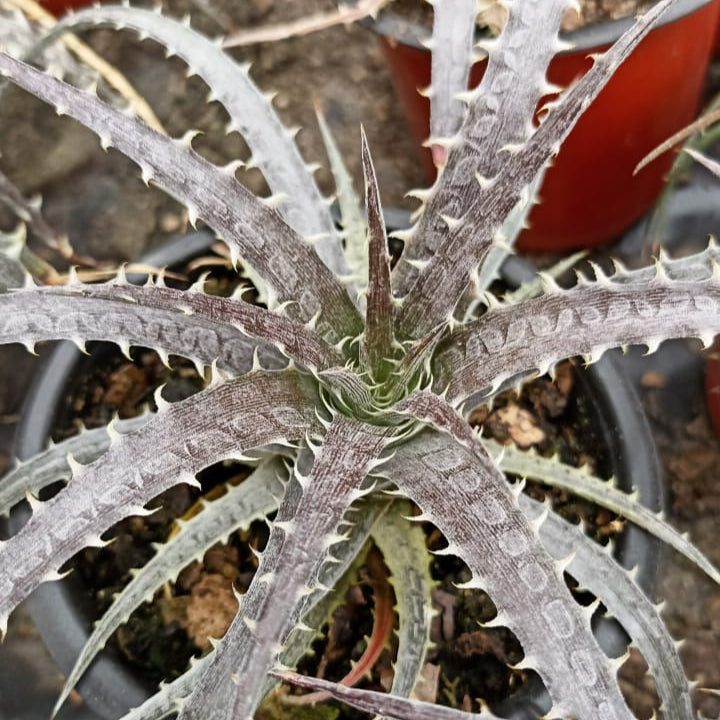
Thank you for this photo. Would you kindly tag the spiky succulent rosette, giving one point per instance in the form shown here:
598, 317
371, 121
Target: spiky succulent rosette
362, 374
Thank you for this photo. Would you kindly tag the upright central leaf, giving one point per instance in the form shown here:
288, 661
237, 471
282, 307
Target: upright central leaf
379, 314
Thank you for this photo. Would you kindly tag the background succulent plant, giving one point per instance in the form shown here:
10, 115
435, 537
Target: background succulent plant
362, 373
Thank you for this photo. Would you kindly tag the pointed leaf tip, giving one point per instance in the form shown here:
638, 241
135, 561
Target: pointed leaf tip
379, 337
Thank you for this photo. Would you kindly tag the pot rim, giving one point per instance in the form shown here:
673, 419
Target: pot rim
590, 37
110, 687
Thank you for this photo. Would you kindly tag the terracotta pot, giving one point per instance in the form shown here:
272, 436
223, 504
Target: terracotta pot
590, 196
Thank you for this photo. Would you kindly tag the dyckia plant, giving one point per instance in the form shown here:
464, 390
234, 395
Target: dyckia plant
359, 375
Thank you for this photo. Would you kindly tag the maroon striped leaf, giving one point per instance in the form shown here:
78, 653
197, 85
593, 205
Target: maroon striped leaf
587, 320
301, 538
482, 204
252, 230
180, 440
135, 304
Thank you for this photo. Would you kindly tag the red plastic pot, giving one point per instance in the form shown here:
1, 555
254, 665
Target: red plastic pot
58, 7
712, 384
590, 196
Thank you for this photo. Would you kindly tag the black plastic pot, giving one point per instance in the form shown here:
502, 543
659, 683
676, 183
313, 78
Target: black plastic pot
614, 406
61, 609
692, 212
